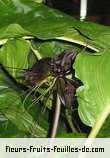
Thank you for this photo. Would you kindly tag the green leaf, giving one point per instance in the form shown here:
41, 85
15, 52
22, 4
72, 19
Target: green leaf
52, 32
51, 48
9, 130
28, 18
92, 30
35, 19
39, 1
14, 55
13, 30
105, 130
12, 108
94, 96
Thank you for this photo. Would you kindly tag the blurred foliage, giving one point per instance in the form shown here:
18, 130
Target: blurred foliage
30, 31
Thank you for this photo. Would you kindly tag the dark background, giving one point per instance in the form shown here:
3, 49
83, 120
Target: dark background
98, 10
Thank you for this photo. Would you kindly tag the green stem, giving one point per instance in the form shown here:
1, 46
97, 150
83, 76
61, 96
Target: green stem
99, 122
95, 130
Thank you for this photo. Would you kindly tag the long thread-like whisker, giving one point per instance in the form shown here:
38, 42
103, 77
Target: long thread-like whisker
54, 81
32, 90
45, 92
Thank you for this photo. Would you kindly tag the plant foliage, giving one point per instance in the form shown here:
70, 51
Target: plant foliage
30, 31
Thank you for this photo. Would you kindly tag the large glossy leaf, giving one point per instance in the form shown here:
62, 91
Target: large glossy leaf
20, 18
13, 110
13, 30
35, 17
11, 106
94, 95
28, 19
14, 55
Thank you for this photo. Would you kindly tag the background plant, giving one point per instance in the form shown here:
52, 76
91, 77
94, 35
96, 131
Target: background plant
30, 31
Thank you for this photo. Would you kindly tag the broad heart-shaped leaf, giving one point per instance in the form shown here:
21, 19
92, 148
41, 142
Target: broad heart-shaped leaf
94, 96
13, 30
20, 18
14, 55
14, 111
12, 108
